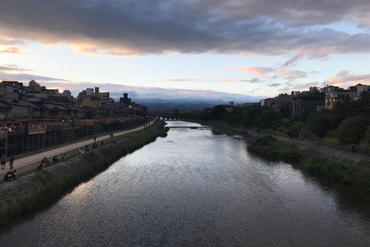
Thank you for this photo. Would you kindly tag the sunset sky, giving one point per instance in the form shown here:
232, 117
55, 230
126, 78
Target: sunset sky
196, 49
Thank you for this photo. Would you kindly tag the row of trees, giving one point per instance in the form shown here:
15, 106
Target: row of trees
348, 121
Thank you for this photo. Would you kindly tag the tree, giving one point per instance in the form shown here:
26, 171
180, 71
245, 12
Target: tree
321, 126
218, 112
352, 130
250, 116
235, 116
268, 118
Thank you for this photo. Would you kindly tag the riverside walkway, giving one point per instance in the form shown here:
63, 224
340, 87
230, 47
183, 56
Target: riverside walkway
36, 158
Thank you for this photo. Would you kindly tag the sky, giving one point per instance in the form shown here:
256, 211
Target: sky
231, 50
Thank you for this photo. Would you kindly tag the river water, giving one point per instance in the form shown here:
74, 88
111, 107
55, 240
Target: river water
197, 188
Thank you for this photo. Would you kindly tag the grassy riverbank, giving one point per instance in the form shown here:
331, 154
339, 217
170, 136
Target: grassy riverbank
270, 148
28, 192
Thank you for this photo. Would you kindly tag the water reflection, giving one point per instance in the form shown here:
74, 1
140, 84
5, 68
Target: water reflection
195, 188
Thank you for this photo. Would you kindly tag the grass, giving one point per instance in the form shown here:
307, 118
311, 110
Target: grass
269, 148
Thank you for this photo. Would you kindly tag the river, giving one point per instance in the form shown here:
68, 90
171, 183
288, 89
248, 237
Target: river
197, 187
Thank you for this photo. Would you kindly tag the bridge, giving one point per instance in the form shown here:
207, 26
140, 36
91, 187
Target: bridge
168, 117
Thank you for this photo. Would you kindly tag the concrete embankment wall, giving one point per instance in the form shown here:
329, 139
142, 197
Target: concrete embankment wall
29, 191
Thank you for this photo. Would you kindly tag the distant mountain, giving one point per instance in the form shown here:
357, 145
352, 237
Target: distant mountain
158, 108
165, 105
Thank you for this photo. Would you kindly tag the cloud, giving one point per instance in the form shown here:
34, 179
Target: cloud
13, 50
151, 94
227, 80
25, 76
306, 86
190, 79
11, 68
343, 73
344, 78
253, 80
126, 27
274, 85
255, 70
292, 74
294, 59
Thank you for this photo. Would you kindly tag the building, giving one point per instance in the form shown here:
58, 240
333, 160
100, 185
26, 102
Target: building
332, 93
125, 100
313, 98
269, 102
12, 89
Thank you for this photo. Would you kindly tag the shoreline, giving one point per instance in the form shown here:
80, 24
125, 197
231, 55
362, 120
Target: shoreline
28, 192
359, 161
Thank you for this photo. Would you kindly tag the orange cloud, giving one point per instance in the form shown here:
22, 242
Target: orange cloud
14, 50
227, 80
255, 70
333, 80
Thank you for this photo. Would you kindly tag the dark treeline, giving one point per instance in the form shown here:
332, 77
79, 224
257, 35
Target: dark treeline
347, 123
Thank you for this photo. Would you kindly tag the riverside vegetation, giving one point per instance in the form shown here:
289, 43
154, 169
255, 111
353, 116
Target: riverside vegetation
346, 124
274, 150
28, 192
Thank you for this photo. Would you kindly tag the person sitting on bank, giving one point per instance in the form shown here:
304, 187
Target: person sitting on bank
63, 157
95, 145
81, 151
87, 148
40, 168
8, 176
45, 161
102, 143
55, 159
15, 175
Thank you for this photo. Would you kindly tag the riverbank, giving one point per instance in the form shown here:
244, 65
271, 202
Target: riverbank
273, 149
26, 193
344, 166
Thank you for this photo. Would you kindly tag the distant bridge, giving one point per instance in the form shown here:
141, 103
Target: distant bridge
168, 117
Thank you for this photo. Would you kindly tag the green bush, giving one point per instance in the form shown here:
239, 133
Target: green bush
351, 130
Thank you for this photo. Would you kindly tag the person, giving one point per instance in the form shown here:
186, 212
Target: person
45, 161
8, 176
102, 143
87, 148
95, 146
63, 157
111, 135
80, 150
114, 141
55, 159
40, 168
353, 148
15, 175
11, 162
94, 138
3, 161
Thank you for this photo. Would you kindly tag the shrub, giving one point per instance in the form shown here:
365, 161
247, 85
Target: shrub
352, 130
321, 126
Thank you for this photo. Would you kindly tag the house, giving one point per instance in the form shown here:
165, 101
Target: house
332, 93
12, 89
269, 102
306, 99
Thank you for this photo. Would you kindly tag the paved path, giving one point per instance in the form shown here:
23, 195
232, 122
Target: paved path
36, 158
324, 148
